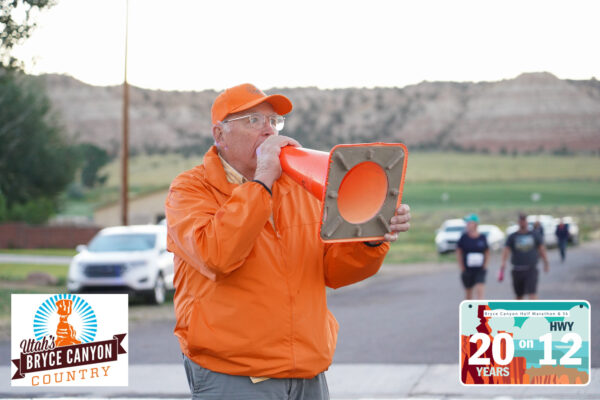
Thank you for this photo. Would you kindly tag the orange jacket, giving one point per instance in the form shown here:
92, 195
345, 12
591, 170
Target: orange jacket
250, 299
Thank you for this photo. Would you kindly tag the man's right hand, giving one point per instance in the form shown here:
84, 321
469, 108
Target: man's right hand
268, 167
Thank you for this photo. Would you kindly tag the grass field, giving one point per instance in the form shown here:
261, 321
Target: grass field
19, 272
438, 186
480, 179
451, 195
159, 170
416, 246
154, 170
13, 281
460, 167
21, 289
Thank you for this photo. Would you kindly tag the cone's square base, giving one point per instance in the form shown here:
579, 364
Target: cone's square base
363, 189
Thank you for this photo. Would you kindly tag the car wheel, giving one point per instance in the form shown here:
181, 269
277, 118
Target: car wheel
160, 290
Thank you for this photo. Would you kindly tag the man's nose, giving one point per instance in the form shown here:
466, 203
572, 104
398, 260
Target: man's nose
269, 129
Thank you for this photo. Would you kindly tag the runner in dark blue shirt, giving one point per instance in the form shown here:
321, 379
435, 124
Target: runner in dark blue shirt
472, 253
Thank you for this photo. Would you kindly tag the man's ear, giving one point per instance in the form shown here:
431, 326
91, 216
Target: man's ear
217, 132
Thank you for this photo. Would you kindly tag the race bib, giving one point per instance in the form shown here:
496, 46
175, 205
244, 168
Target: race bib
474, 260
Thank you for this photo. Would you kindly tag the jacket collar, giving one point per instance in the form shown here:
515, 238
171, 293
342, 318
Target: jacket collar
215, 173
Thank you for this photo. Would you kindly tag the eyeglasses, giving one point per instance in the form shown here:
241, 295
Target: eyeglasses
257, 120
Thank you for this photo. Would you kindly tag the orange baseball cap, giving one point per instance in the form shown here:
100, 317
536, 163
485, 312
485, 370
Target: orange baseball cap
243, 97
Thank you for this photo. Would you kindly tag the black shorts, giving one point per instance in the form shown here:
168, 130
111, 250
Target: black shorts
525, 282
472, 276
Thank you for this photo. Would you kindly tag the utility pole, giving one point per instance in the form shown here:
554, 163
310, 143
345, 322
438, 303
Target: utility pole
125, 144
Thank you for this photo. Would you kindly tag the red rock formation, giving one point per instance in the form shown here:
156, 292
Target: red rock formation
556, 374
470, 374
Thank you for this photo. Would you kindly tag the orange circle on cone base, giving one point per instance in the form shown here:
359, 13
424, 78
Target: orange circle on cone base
362, 192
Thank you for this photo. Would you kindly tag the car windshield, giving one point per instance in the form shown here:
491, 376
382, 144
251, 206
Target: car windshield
455, 229
123, 242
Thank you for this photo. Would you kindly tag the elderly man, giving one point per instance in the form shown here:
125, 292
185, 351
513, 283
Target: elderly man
250, 269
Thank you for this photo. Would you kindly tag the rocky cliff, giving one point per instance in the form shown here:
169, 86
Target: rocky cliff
533, 112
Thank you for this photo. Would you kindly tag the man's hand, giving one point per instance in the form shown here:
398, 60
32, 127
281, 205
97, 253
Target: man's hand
399, 223
268, 167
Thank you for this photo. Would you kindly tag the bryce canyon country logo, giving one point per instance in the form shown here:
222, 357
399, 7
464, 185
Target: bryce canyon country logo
69, 340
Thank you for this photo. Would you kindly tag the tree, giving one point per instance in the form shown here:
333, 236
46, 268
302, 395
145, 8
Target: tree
93, 158
2, 207
36, 163
16, 25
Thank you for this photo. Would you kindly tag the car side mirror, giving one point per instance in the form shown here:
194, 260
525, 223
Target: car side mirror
80, 248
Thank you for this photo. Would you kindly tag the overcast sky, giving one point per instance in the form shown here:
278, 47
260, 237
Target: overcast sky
196, 45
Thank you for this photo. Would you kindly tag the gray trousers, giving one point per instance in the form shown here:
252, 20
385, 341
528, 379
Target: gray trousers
206, 384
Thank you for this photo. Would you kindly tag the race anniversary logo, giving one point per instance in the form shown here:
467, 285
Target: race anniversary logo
525, 342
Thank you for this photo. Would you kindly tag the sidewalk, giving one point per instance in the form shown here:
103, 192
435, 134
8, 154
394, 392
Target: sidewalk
346, 381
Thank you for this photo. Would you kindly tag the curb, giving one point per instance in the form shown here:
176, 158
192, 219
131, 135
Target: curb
346, 381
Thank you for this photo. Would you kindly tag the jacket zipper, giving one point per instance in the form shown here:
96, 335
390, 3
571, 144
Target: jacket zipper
291, 297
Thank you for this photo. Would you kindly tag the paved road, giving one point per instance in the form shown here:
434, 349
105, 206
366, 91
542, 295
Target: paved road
405, 314
397, 328
409, 314
414, 319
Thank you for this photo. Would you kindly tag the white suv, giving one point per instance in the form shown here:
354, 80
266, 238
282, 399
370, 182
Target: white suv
448, 234
124, 258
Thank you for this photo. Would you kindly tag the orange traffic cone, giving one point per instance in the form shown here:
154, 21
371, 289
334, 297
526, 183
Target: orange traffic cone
359, 185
